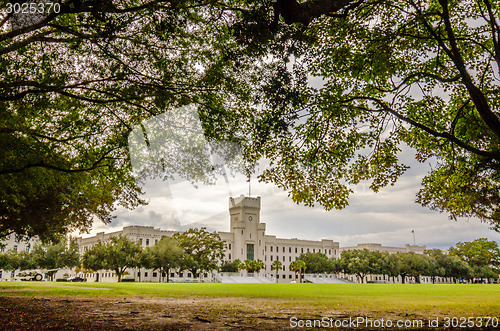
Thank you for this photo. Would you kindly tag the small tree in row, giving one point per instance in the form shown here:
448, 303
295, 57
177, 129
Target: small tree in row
299, 267
118, 254
165, 255
49, 256
277, 267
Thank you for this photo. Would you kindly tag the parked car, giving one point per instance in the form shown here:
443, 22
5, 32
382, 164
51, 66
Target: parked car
29, 276
76, 279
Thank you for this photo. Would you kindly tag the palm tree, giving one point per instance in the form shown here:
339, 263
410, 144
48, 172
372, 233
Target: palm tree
276, 266
298, 266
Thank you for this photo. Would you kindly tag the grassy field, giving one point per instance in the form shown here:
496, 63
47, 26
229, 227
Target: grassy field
422, 300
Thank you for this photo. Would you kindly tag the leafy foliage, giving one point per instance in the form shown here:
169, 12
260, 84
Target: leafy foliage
276, 266
254, 265
83, 79
391, 74
203, 250
482, 255
231, 266
317, 263
166, 254
117, 254
361, 263
299, 267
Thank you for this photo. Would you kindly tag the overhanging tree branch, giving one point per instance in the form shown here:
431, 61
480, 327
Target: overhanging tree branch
446, 135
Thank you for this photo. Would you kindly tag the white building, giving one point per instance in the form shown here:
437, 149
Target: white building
247, 239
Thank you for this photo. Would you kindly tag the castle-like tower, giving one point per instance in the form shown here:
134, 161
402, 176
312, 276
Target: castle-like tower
248, 232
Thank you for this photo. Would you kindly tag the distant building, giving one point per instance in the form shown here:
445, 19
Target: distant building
247, 239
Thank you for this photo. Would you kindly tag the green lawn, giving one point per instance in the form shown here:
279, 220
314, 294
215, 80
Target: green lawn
372, 299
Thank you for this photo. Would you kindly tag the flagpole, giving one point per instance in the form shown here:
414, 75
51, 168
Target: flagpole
249, 185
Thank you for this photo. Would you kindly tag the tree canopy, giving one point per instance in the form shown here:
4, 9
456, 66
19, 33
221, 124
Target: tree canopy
203, 251
117, 254
389, 74
74, 84
423, 74
317, 263
482, 255
165, 255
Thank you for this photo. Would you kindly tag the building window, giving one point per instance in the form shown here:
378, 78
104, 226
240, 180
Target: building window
314, 250
295, 250
241, 232
155, 274
230, 256
290, 276
284, 268
271, 248
156, 241
172, 274
283, 249
250, 236
277, 250
289, 259
302, 249
283, 258
265, 257
259, 242
140, 241
229, 245
308, 250
15, 248
271, 257
189, 275
180, 274
147, 242
145, 274
289, 249
242, 251
265, 248
250, 252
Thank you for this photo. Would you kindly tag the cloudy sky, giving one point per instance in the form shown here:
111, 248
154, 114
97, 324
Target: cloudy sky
386, 217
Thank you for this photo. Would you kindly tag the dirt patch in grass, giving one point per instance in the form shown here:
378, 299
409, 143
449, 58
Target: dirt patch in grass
74, 313
153, 313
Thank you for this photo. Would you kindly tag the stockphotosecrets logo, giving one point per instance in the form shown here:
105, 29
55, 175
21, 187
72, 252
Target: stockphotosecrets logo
200, 173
